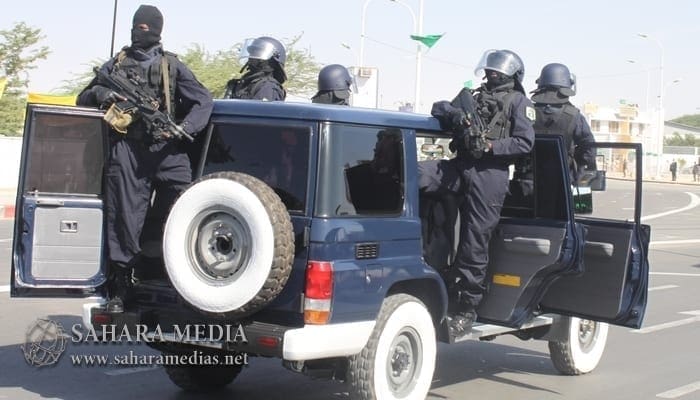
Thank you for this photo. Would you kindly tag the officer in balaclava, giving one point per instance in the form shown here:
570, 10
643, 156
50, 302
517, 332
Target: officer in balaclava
481, 173
334, 85
263, 72
141, 158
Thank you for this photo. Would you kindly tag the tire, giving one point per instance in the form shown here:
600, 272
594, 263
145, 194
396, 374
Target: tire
228, 244
202, 379
404, 329
582, 350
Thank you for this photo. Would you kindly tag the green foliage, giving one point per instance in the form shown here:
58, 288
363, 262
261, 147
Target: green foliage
213, 70
12, 114
302, 70
74, 85
19, 52
686, 140
690, 120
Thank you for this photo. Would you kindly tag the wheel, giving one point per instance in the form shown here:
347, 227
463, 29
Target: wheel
202, 379
228, 244
583, 347
399, 358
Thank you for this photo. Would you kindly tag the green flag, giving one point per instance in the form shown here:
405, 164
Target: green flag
428, 40
469, 84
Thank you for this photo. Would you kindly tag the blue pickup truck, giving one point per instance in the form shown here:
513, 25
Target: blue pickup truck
306, 227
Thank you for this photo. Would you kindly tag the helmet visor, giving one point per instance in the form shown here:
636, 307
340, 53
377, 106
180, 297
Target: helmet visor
261, 49
497, 60
243, 55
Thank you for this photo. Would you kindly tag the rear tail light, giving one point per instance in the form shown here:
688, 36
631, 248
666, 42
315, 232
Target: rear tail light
318, 293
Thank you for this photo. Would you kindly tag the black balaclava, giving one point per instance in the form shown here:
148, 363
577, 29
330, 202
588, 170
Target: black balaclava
152, 17
495, 79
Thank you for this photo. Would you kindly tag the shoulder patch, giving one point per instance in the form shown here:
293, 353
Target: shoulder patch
530, 113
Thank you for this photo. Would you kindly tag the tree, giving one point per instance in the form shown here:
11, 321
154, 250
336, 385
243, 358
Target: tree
678, 140
690, 120
19, 52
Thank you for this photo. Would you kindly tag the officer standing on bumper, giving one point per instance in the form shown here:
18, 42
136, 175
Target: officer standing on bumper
334, 83
264, 72
141, 158
509, 116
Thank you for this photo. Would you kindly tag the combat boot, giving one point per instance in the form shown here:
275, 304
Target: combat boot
120, 285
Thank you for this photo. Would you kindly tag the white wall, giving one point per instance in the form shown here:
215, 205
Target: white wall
10, 154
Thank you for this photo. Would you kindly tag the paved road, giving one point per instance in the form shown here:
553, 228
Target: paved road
659, 362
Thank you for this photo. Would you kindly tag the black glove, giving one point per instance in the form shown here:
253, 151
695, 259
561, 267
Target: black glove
105, 96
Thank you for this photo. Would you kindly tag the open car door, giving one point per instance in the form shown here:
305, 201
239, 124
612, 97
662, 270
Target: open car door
613, 285
58, 234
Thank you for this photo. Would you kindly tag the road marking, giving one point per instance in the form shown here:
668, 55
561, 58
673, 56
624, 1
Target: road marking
127, 371
680, 391
4, 288
651, 289
671, 242
694, 202
673, 274
654, 328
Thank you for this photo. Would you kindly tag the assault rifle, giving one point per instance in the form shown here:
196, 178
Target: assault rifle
474, 126
461, 116
142, 101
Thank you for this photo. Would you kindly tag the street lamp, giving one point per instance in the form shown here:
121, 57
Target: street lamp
418, 29
660, 133
347, 46
114, 28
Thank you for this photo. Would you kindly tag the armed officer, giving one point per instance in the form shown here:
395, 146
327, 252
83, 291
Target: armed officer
506, 117
264, 72
141, 158
334, 85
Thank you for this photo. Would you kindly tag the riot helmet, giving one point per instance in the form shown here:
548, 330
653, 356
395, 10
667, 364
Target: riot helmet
334, 77
557, 76
503, 61
265, 48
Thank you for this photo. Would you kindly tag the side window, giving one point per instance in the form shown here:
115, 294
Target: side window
277, 155
66, 154
361, 171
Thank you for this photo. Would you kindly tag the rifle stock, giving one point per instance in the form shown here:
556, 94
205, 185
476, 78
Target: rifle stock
143, 101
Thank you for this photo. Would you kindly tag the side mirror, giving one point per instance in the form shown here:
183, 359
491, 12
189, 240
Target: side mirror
432, 150
594, 180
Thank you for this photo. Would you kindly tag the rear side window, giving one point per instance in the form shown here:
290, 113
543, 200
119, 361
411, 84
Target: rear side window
66, 154
277, 155
361, 171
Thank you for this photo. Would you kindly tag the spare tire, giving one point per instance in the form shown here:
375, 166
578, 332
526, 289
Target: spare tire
228, 244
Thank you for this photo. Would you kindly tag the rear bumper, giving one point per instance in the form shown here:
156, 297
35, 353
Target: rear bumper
310, 342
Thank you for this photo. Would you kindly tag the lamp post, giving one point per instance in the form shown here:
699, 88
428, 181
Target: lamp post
114, 28
417, 29
660, 132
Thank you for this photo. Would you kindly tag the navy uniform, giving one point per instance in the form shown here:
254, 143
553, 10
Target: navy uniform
481, 178
557, 116
334, 85
264, 72
141, 160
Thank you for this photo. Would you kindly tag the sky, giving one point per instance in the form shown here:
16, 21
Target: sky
594, 38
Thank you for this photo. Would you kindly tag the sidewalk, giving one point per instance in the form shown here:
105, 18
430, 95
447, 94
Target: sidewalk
7, 203
683, 179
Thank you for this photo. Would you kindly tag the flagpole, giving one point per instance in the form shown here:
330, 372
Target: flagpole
114, 27
419, 57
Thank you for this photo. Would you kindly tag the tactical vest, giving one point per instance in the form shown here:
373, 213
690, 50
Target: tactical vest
494, 108
240, 89
153, 76
555, 120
